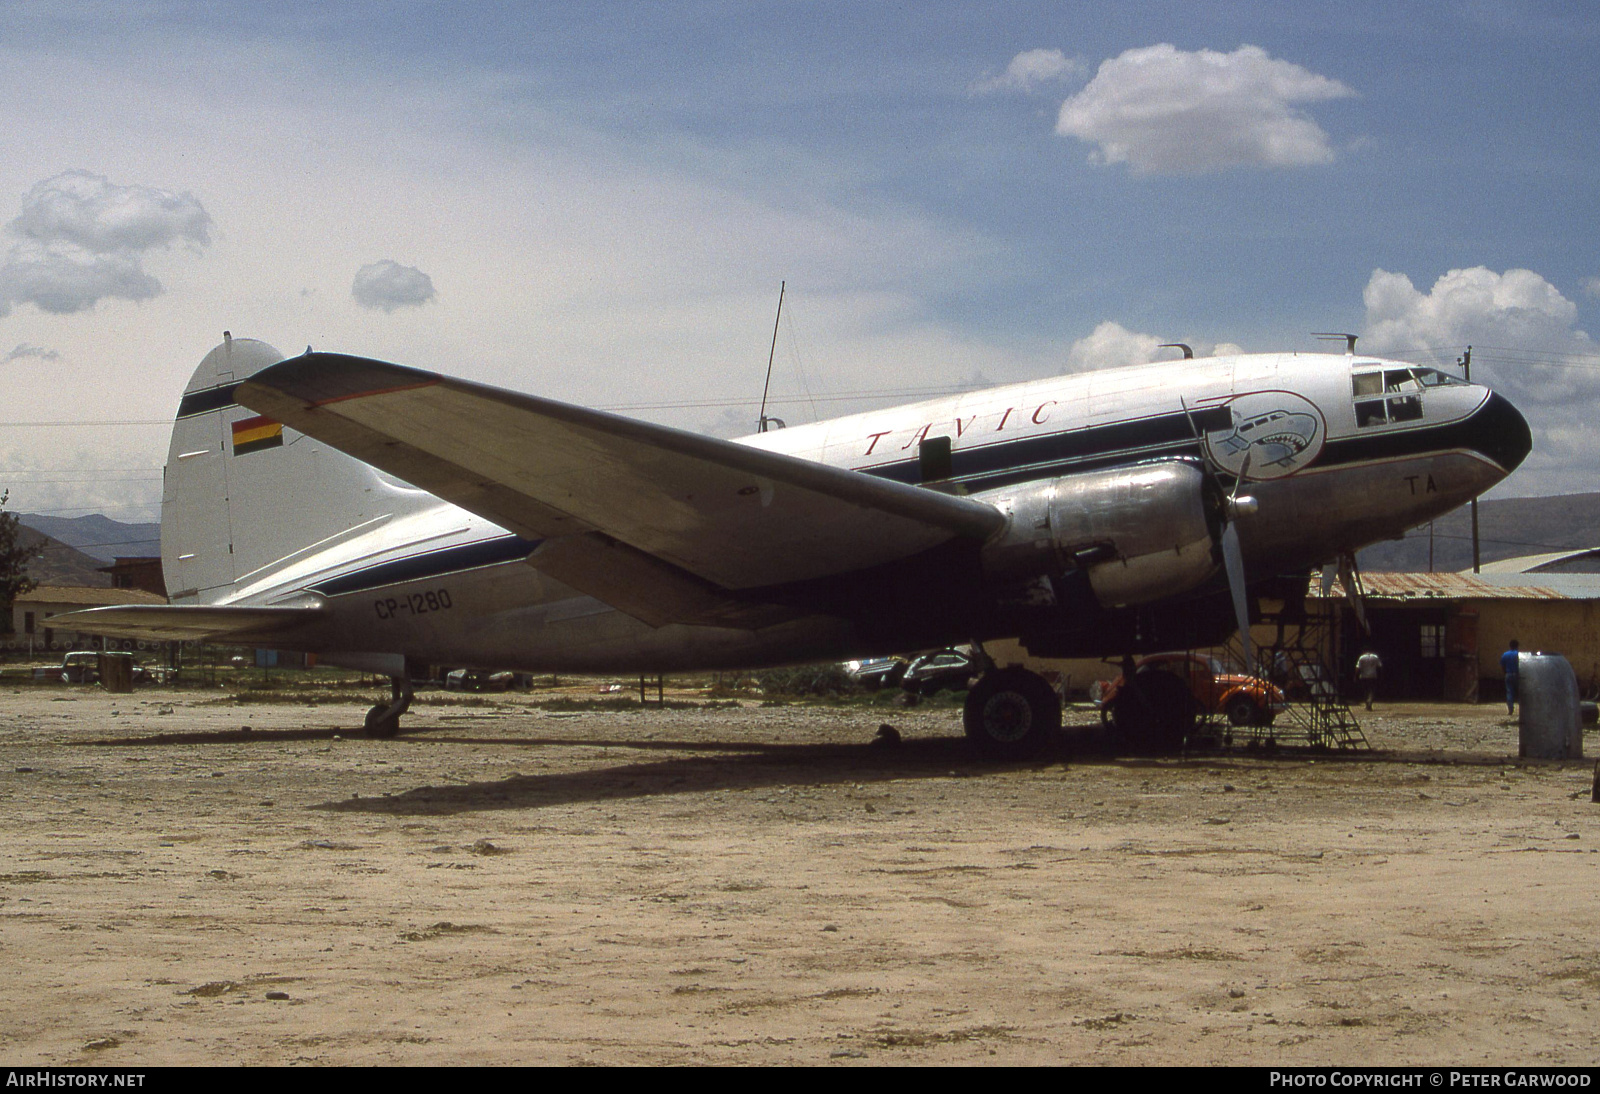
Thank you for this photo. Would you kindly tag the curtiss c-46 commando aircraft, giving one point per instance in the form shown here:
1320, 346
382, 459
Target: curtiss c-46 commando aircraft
382, 516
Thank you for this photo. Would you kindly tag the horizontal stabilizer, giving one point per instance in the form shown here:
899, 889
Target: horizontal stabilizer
188, 622
731, 516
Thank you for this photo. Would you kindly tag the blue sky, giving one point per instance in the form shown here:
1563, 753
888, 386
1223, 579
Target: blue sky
597, 202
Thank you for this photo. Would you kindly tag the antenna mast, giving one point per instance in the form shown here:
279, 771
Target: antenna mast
763, 421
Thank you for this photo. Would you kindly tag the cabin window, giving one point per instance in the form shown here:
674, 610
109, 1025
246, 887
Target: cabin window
1371, 413
1366, 383
1407, 408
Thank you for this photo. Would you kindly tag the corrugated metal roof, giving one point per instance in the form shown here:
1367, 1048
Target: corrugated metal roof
1387, 586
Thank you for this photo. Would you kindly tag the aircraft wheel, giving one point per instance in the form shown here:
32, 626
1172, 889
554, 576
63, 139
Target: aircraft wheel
1242, 711
382, 721
1011, 714
1155, 713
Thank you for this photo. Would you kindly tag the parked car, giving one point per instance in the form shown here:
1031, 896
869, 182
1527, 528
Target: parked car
1244, 699
876, 672
83, 667
478, 680
951, 668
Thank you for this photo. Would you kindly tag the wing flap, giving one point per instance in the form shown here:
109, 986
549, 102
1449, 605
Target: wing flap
641, 585
189, 622
737, 517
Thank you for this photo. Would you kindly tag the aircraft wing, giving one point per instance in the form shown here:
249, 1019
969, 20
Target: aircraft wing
664, 524
187, 622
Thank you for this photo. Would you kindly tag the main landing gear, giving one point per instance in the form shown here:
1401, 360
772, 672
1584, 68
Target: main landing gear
383, 720
1011, 714
1151, 714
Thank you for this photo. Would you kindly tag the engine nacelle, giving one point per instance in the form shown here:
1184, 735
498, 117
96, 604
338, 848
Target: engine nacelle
1139, 533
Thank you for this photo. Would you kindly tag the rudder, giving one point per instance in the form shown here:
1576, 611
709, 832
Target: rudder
243, 493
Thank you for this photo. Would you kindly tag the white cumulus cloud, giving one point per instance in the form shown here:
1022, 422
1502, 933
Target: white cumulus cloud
1163, 110
62, 278
1111, 345
389, 285
25, 350
1516, 312
1029, 68
94, 213
81, 238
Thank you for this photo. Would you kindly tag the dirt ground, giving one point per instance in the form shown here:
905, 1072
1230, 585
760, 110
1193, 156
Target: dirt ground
764, 886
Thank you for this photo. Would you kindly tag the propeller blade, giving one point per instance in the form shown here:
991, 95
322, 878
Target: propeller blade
1232, 554
1330, 571
1233, 562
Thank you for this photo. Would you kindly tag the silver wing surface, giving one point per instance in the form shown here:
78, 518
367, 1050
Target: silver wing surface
189, 622
666, 525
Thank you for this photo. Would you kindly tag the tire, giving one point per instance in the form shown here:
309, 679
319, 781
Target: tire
380, 723
1154, 713
1011, 714
1242, 711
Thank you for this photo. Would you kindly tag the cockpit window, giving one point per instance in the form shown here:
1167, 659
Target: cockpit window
1390, 395
1400, 380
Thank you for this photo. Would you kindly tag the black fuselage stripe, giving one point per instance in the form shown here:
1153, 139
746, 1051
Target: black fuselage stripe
1166, 436
1008, 461
468, 556
215, 398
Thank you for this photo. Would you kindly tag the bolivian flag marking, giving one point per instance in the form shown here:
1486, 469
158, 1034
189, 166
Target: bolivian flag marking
254, 434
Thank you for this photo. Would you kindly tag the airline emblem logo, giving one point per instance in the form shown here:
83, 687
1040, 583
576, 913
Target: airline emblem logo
1282, 431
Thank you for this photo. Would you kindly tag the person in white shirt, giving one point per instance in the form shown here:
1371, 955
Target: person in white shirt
1368, 665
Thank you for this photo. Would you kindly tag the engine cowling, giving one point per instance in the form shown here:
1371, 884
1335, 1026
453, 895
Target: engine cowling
1139, 533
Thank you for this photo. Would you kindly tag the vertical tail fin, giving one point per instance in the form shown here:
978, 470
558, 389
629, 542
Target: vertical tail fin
243, 493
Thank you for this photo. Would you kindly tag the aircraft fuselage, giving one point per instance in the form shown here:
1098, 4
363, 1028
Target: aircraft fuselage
1338, 452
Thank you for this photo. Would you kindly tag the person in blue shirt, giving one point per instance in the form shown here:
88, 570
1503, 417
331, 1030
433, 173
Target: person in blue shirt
1508, 665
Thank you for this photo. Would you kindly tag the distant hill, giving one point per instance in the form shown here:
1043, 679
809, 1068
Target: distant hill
1507, 528
97, 535
56, 563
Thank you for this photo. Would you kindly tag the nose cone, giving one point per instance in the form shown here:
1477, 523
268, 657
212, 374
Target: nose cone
1501, 433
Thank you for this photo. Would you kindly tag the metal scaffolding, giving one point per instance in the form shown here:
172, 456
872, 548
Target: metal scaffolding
1297, 662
